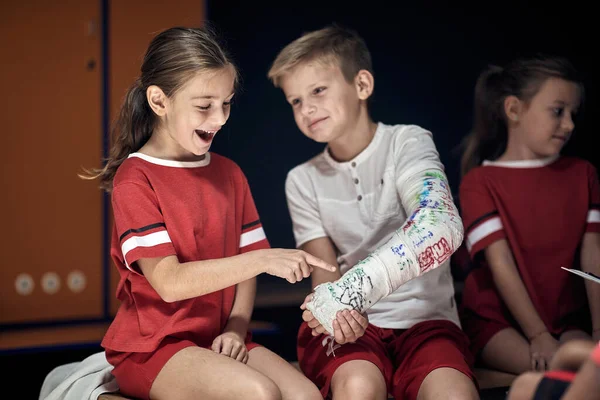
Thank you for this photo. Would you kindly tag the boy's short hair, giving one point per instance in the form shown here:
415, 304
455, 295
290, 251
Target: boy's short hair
330, 45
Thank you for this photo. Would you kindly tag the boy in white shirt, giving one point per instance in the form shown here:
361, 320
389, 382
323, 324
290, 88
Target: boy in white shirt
377, 203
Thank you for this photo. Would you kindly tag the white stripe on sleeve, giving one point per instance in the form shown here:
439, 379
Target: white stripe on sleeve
251, 237
152, 239
487, 228
593, 216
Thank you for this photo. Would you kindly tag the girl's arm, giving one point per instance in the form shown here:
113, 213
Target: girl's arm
590, 262
175, 281
511, 288
241, 313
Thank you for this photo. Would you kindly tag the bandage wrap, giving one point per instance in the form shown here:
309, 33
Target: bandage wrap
425, 241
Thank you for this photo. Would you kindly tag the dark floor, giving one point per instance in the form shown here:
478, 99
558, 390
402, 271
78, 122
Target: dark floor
33, 367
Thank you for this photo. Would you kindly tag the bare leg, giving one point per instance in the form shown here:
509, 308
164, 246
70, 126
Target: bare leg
524, 386
358, 379
291, 382
572, 354
447, 383
507, 351
574, 334
197, 373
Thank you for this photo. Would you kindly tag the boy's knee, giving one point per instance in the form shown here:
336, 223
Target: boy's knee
524, 386
264, 389
359, 386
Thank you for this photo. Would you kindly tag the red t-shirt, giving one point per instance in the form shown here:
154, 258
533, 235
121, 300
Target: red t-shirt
194, 210
542, 208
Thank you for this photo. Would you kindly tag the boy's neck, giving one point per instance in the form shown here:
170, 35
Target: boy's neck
353, 142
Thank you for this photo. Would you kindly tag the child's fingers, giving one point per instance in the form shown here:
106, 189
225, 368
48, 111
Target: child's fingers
246, 356
226, 348
216, 344
317, 262
241, 354
305, 269
343, 319
307, 299
313, 323
361, 319
236, 348
536, 362
338, 335
308, 316
356, 327
317, 330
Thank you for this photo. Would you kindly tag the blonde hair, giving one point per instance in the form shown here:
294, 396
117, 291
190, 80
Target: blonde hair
329, 45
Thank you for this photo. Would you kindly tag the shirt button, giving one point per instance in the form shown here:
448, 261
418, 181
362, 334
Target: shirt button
359, 197
356, 180
353, 164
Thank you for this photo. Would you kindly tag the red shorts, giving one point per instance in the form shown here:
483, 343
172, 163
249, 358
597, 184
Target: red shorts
404, 356
481, 329
135, 372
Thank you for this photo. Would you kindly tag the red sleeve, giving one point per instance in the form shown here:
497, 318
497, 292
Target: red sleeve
481, 219
139, 224
253, 235
593, 217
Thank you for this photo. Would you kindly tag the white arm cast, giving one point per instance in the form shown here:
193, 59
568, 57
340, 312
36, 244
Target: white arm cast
425, 241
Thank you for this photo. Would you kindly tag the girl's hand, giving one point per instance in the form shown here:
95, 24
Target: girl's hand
230, 344
291, 265
542, 349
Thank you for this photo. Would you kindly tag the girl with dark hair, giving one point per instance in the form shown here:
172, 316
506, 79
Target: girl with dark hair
527, 212
187, 238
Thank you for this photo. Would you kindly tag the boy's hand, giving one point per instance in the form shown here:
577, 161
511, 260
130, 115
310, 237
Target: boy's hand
230, 344
349, 326
311, 321
291, 265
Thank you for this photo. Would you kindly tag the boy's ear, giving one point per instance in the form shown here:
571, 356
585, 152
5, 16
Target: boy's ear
365, 83
512, 108
157, 100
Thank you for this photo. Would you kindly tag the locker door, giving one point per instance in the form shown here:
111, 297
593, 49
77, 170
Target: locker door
52, 232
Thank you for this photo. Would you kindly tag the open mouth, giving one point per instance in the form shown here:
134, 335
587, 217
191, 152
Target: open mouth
207, 136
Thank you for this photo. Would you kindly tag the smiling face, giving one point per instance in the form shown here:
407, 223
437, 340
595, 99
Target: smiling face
543, 126
190, 118
325, 105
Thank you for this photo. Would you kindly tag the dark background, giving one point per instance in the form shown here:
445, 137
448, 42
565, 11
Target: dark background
426, 58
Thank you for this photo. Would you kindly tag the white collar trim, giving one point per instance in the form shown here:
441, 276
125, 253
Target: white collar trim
172, 163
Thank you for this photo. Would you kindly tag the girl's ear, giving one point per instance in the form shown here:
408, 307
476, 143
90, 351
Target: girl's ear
513, 108
157, 100
365, 83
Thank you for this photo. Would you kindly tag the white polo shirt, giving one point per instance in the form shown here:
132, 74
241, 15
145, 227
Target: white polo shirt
358, 205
